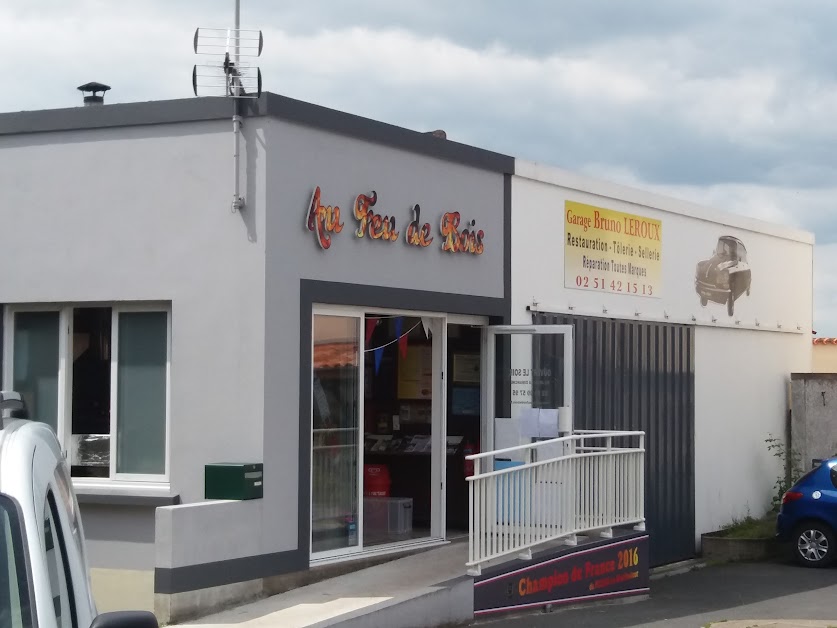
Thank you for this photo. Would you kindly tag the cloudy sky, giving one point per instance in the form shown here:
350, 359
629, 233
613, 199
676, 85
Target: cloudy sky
728, 104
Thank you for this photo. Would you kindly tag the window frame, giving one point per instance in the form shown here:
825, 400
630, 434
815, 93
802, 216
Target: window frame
65, 379
64, 376
114, 397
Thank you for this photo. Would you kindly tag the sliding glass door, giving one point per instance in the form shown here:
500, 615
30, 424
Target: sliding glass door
379, 449
337, 405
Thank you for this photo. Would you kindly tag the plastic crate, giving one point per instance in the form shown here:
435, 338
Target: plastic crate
389, 515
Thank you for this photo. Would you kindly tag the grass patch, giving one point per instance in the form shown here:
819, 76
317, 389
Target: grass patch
751, 528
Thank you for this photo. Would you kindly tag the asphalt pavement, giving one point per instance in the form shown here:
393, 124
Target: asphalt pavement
720, 593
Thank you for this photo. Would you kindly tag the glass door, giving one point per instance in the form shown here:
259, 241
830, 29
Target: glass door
527, 377
336, 456
403, 413
378, 433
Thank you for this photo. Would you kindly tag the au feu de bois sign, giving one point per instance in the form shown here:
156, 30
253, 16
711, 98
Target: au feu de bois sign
456, 236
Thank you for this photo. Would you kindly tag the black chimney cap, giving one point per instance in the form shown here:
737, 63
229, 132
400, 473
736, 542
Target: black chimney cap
93, 86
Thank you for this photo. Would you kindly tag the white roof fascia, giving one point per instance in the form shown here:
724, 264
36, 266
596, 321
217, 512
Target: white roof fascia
652, 200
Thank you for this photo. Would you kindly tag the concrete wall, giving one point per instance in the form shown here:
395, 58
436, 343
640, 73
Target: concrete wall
300, 159
143, 213
742, 380
228, 530
814, 416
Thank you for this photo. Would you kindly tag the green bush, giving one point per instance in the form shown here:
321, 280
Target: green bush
792, 469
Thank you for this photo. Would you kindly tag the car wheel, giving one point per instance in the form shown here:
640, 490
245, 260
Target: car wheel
704, 301
814, 545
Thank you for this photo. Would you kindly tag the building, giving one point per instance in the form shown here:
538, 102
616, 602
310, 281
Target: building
824, 355
331, 331
688, 324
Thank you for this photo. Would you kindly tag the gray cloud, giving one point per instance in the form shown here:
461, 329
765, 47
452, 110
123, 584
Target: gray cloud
725, 103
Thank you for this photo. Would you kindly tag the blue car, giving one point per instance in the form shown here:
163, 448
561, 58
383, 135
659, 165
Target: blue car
808, 516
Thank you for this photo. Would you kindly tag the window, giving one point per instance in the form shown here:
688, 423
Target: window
99, 375
15, 606
60, 581
141, 398
35, 364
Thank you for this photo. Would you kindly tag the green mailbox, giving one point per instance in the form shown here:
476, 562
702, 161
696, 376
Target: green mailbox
232, 480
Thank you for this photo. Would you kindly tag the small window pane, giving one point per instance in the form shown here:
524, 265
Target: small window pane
141, 392
35, 369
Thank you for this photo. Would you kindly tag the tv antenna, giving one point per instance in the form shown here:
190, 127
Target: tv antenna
228, 73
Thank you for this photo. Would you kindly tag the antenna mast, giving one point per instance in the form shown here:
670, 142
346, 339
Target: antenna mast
227, 76
237, 202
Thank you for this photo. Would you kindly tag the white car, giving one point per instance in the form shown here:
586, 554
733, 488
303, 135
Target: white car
44, 575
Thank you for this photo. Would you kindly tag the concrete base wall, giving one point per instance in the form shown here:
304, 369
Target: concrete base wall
179, 607
814, 416
122, 589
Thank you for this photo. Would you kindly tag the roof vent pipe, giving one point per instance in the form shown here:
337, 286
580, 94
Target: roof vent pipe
93, 98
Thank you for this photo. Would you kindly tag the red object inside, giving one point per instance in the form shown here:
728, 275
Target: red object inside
376, 480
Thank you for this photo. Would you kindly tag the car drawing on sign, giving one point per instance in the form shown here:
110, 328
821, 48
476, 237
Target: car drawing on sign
725, 276
808, 516
44, 574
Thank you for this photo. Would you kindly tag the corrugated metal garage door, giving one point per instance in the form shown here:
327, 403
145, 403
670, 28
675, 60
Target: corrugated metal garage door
633, 375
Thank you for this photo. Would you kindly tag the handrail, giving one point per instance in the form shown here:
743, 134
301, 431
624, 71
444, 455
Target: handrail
541, 463
605, 433
582, 434
540, 443
580, 489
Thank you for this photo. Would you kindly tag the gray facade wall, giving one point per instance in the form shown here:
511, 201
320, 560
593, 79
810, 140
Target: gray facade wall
813, 424
143, 213
299, 159
132, 203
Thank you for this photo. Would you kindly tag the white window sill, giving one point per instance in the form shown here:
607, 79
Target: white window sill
115, 492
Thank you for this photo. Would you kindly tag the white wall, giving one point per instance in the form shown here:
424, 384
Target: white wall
781, 259
741, 397
742, 369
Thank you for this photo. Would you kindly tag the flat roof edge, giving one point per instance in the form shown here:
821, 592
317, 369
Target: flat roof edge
375, 131
115, 115
269, 104
653, 200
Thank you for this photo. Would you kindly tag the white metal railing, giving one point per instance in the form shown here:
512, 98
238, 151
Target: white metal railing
591, 481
